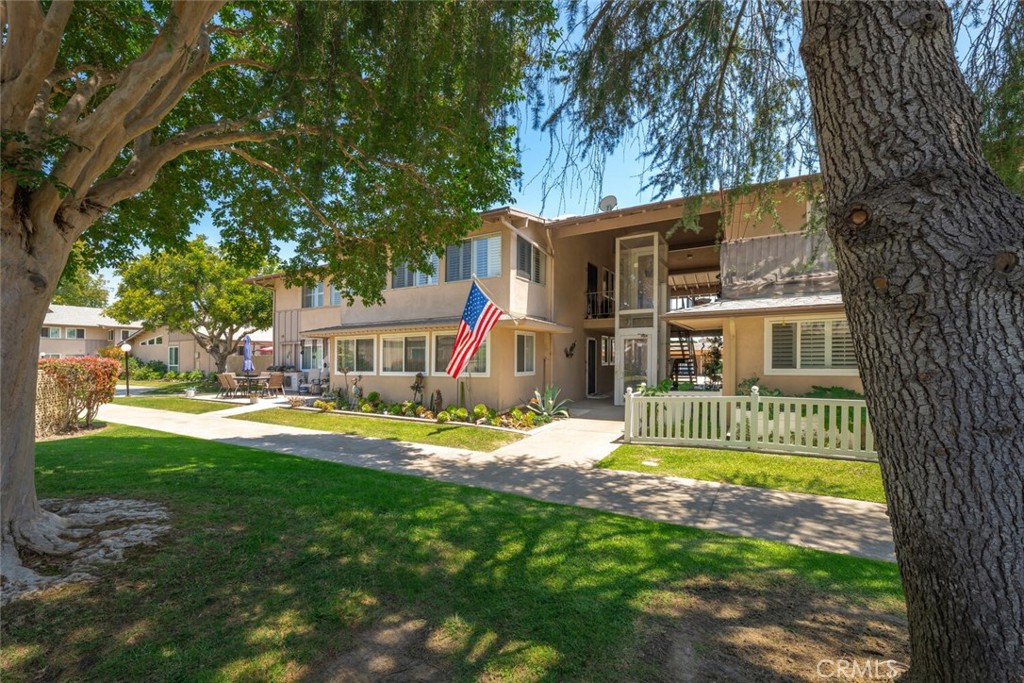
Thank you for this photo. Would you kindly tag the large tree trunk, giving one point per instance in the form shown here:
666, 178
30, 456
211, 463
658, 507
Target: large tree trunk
930, 247
28, 279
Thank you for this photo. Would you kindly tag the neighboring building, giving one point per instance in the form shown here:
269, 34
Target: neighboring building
594, 304
181, 352
80, 331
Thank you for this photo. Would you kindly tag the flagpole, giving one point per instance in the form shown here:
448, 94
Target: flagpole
514, 319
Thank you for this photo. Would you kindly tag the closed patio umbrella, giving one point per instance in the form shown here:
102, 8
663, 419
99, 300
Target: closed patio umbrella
247, 365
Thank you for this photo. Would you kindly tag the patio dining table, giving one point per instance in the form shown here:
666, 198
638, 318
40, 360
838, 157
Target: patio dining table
250, 381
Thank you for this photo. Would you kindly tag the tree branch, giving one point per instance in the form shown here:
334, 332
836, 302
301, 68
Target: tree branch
283, 177
104, 128
142, 174
29, 56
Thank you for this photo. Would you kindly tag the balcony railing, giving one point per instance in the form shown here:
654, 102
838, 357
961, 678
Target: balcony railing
600, 305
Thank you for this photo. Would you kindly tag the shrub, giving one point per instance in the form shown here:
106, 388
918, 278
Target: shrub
296, 401
81, 386
172, 375
114, 352
366, 407
833, 392
480, 410
461, 414
547, 404
324, 406
373, 397
194, 376
444, 416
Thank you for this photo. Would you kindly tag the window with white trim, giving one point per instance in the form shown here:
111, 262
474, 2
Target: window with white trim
526, 352
51, 333
335, 295
356, 354
405, 355
809, 346
477, 365
110, 335
477, 256
531, 262
74, 333
172, 359
125, 334
405, 276
607, 350
313, 297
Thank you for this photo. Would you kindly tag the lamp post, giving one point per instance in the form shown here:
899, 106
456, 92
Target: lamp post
127, 348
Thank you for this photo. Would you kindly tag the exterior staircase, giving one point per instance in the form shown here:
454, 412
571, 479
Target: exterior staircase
682, 358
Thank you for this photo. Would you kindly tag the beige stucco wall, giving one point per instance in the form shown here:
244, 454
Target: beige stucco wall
570, 307
750, 361
792, 215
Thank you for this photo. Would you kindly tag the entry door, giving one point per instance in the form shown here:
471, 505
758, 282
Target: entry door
591, 366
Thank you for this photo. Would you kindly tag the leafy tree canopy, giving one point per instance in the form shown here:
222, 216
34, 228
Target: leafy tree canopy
194, 290
716, 95
79, 287
353, 130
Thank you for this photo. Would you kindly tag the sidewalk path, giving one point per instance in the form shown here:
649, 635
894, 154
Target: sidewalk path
556, 465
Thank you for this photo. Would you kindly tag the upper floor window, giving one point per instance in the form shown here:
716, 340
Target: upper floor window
404, 276
477, 256
809, 346
125, 334
313, 297
51, 333
74, 333
531, 262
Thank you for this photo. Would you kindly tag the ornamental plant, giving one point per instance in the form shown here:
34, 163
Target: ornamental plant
84, 385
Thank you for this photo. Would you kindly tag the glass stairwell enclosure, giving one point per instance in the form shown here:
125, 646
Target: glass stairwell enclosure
641, 296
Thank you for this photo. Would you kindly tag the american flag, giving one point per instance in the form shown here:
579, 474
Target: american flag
477, 320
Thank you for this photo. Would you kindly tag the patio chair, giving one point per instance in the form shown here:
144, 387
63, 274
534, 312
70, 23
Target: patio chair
234, 388
275, 385
225, 388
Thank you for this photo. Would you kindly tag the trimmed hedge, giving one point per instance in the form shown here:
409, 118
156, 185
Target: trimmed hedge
70, 388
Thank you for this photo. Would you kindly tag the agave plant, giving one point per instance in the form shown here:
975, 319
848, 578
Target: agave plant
547, 404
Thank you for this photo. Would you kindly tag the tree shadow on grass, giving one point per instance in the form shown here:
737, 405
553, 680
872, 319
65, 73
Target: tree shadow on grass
289, 569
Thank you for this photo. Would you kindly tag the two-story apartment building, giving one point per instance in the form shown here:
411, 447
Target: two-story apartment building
80, 331
182, 353
593, 304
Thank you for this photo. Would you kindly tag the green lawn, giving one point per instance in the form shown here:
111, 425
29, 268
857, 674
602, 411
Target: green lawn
175, 403
382, 428
162, 387
821, 476
277, 565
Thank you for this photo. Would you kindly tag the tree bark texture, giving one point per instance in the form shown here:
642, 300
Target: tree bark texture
40, 225
31, 267
930, 247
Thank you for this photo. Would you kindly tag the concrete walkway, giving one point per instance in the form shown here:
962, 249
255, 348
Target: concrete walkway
556, 465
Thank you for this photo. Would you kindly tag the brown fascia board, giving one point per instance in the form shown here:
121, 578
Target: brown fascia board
621, 218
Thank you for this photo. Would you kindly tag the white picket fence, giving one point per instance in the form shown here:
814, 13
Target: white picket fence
828, 427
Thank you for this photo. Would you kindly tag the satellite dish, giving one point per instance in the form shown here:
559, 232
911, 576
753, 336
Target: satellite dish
608, 203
